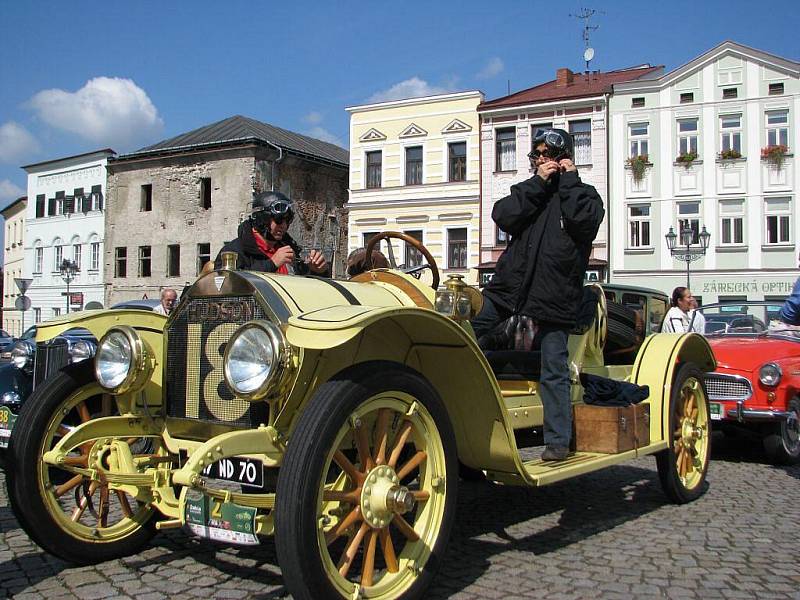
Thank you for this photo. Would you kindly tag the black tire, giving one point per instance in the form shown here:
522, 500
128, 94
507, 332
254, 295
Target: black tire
26, 483
681, 489
301, 554
620, 336
621, 314
782, 445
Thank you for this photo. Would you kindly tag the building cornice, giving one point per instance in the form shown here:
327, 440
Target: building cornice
414, 101
540, 105
399, 203
70, 160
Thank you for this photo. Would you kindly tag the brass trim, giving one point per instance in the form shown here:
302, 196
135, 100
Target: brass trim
141, 365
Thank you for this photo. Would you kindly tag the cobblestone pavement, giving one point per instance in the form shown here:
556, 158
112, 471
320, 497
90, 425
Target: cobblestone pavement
606, 535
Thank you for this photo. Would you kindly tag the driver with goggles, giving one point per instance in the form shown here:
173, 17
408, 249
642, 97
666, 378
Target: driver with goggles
263, 242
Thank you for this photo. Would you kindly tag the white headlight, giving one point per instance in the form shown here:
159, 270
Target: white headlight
114, 359
22, 354
81, 350
770, 374
254, 359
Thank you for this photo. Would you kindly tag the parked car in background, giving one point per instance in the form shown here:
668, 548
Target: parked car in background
633, 314
6, 343
756, 385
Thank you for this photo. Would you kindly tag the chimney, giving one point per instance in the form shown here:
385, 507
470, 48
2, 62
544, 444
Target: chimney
564, 77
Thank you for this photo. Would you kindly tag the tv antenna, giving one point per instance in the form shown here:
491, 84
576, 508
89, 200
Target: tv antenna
585, 15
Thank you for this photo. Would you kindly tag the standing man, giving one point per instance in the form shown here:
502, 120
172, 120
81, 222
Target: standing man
168, 298
263, 242
552, 219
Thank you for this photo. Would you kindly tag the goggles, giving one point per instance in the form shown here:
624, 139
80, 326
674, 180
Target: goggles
279, 211
555, 142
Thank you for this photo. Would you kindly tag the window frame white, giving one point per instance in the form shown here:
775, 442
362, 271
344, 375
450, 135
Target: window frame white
688, 136
500, 164
449, 230
584, 157
407, 248
38, 259
58, 257
730, 134
782, 215
639, 221
780, 129
94, 256
638, 140
728, 219
690, 218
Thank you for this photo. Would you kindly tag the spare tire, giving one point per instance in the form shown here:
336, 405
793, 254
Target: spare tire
621, 314
620, 336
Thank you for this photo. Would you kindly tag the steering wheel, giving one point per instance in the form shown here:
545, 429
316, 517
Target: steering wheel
415, 243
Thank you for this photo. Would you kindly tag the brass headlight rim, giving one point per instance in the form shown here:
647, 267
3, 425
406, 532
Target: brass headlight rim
280, 350
139, 370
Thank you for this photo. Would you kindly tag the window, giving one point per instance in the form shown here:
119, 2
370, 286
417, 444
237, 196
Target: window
731, 131
776, 89
76, 255
94, 264
413, 257
731, 224
658, 310
729, 93
506, 149
37, 315
144, 261
367, 236
777, 212
689, 214
582, 135
96, 199
57, 311
414, 165
639, 226
457, 248
205, 192
500, 237
38, 259
639, 139
40, 202
58, 257
637, 102
457, 161
687, 136
203, 255
687, 98
374, 166
778, 127
146, 198
174, 260
120, 262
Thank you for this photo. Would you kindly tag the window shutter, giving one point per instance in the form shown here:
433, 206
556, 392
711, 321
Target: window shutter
40, 206
51, 206
69, 204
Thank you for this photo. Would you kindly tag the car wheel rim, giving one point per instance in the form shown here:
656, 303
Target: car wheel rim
690, 437
382, 498
90, 510
791, 430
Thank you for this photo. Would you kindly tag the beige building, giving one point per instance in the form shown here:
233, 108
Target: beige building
14, 215
415, 168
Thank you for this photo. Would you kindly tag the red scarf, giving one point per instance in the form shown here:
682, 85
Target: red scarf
268, 251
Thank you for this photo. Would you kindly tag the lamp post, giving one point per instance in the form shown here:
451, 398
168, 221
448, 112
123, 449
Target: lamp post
687, 251
69, 270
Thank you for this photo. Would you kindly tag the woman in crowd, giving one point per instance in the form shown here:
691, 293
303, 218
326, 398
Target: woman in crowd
677, 317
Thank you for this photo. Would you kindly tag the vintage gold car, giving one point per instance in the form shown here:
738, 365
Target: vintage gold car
333, 415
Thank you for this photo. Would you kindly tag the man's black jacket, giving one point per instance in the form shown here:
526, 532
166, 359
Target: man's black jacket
552, 226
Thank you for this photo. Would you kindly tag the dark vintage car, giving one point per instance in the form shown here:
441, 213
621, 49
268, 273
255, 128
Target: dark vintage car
756, 385
6, 343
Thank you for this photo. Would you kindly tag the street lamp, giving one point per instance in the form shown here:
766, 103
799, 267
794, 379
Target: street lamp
69, 270
687, 252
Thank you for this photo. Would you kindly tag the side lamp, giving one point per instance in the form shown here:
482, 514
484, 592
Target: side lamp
457, 300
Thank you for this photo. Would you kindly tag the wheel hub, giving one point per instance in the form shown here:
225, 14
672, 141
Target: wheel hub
382, 497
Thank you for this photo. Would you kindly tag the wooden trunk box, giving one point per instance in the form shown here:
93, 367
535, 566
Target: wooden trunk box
611, 429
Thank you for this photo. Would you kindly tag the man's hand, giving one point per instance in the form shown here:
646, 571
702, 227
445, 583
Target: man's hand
283, 256
316, 261
545, 170
567, 165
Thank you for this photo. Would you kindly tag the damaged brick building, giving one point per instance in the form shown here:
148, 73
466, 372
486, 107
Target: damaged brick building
172, 205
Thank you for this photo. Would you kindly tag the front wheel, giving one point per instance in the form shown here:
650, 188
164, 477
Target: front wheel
782, 445
682, 467
366, 493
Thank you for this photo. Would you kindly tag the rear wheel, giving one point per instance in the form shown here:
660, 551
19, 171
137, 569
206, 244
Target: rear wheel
782, 445
682, 467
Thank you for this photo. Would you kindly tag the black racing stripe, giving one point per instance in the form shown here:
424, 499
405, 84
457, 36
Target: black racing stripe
339, 287
275, 302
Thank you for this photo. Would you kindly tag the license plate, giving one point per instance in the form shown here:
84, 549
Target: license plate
246, 471
221, 521
7, 420
717, 411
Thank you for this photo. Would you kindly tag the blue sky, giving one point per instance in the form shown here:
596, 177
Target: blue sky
79, 76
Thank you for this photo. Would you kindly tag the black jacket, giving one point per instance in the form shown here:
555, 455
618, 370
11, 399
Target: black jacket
250, 258
552, 226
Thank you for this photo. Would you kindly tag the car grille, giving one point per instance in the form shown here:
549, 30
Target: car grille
727, 387
195, 384
50, 357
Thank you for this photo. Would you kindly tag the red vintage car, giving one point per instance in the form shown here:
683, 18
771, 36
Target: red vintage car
757, 381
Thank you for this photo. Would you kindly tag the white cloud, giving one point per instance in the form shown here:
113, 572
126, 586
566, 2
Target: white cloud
491, 69
106, 110
15, 142
410, 88
313, 118
9, 191
326, 136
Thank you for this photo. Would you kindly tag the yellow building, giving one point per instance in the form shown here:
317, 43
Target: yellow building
415, 168
14, 215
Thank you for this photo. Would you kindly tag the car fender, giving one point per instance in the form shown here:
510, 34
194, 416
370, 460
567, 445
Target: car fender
656, 364
98, 322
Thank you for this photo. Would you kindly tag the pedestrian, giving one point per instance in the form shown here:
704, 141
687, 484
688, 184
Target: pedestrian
677, 318
552, 219
697, 321
168, 298
263, 242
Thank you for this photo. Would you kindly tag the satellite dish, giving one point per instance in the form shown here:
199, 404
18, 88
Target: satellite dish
588, 54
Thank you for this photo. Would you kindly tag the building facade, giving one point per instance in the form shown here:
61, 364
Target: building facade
698, 134
14, 264
414, 168
64, 220
575, 102
174, 204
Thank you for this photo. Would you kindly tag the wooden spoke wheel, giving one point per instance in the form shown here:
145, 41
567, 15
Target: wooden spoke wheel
77, 518
682, 467
365, 498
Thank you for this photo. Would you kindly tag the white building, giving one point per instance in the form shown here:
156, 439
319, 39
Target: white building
703, 128
65, 221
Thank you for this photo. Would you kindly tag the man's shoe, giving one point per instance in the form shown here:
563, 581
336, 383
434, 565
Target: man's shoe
555, 453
